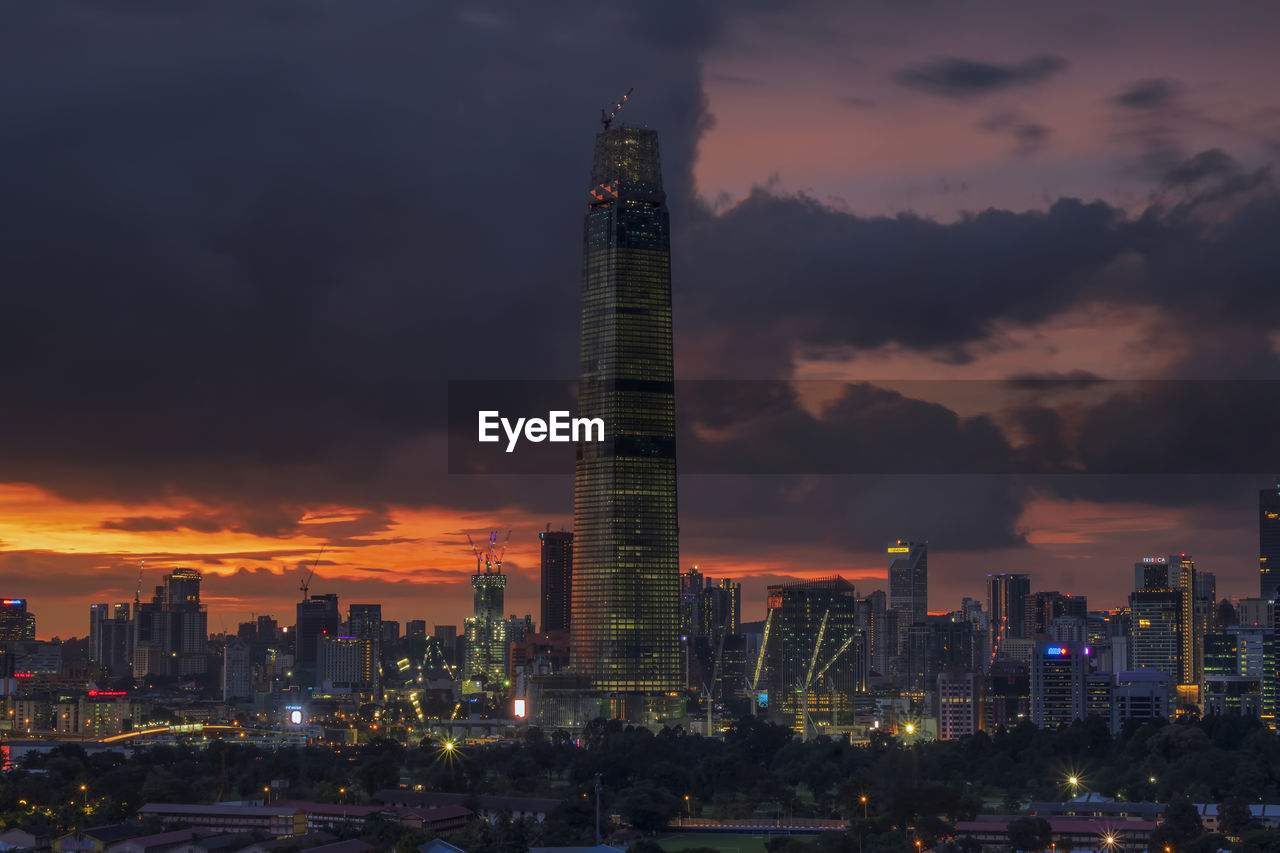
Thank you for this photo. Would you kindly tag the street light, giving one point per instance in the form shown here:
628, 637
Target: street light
84, 791
688, 807
1074, 782
864, 806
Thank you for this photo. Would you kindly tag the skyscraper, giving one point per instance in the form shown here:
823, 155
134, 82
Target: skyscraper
1269, 543
626, 548
317, 617
486, 629
16, 622
908, 586
557, 579
364, 622
1058, 695
805, 660
1007, 601
1155, 638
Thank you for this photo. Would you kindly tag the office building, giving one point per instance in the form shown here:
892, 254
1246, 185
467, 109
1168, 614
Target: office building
959, 703
1006, 603
236, 673
317, 617
1269, 543
1008, 694
1058, 684
364, 622
16, 622
1140, 695
556, 548
908, 586
418, 628
794, 657
111, 639
345, 665
626, 548
1155, 636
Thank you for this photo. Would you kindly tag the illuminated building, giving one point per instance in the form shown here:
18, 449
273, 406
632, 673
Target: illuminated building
798, 614
908, 586
626, 548
486, 629
959, 704
16, 622
170, 632
1058, 683
1269, 543
1155, 641
345, 665
364, 621
556, 548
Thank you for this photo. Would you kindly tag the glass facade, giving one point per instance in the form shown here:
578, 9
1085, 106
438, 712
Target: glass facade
1269, 543
626, 551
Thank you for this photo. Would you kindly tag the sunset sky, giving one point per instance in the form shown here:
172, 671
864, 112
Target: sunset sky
246, 244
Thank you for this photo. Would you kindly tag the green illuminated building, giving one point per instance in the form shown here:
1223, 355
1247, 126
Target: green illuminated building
626, 550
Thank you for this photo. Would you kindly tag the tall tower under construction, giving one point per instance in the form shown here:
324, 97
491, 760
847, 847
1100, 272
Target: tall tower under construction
626, 551
486, 629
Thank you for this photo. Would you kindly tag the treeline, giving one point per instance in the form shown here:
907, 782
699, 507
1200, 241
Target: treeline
912, 790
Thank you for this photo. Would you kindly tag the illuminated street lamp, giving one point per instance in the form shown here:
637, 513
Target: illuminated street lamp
864, 806
1074, 782
84, 792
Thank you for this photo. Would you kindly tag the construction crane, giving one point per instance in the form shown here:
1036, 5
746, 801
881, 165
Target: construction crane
812, 676
606, 118
709, 689
305, 586
753, 689
491, 558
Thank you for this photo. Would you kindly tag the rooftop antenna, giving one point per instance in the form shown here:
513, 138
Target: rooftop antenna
137, 594
606, 118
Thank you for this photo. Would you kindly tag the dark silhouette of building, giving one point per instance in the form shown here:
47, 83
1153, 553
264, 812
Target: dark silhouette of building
318, 617
1269, 543
1007, 602
557, 579
908, 586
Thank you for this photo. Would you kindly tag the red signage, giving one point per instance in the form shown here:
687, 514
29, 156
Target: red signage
93, 694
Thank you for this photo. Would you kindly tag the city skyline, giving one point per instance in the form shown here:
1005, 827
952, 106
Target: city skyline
225, 356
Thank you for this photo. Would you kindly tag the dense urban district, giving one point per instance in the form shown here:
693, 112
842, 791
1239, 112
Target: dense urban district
641, 709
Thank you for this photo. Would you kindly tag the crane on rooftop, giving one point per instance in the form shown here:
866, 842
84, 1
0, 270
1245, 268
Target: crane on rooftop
606, 118
305, 586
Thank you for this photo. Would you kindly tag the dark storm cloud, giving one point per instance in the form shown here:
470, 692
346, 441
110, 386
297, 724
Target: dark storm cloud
1213, 163
954, 77
1029, 135
1153, 94
248, 242
803, 276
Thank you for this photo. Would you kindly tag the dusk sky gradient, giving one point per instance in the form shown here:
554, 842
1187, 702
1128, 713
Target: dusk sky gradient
246, 244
